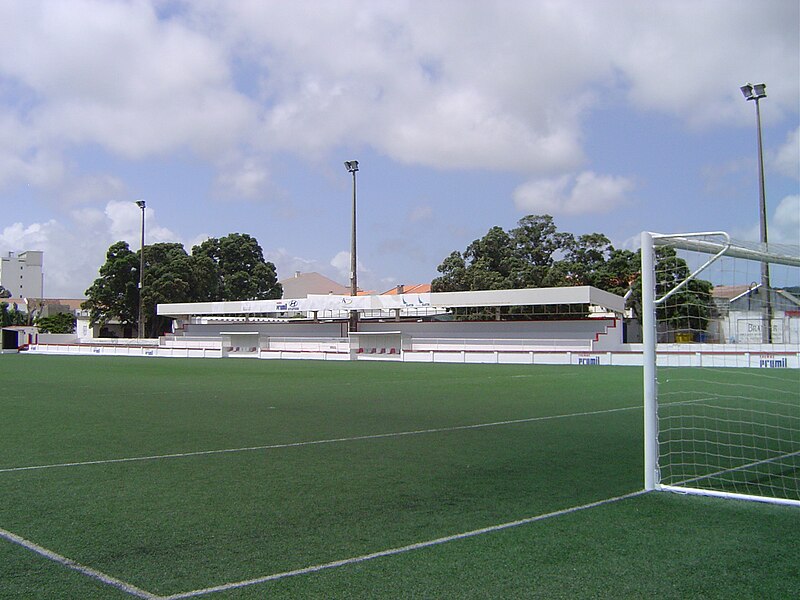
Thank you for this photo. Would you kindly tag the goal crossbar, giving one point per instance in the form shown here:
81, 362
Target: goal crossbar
686, 241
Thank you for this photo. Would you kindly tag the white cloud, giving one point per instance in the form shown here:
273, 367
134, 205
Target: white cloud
689, 59
90, 188
583, 194
246, 178
113, 74
286, 264
71, 254
469, 86
785, 225
19, 237
75, 249
456, 85
787, 159
341, 262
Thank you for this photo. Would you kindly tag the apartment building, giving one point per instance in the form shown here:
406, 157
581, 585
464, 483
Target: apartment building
21, 274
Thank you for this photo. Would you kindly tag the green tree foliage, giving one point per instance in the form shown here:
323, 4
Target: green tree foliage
229, 268
234, 268
114, 295
4, 293
59, 323
537, 243
11, 316
536, 254
690, 307
170, 275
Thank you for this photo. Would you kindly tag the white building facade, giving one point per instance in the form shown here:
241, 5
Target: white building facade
21, 274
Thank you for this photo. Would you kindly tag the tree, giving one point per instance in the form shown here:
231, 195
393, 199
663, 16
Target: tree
488, 263
454, 274
583, 262
12, 316
536, 254
4, 293
537, 243
690, 307
230, 268
522, 257
234, 265
492, 263
170, 275
621, 270
114, 295
59, 323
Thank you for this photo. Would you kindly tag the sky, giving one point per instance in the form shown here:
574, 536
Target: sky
236, 116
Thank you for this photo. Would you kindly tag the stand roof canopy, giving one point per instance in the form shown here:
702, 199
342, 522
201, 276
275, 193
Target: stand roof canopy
433, 300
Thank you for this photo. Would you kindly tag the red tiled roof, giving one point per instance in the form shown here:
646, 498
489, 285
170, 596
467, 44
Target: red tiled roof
418, 288
730, 291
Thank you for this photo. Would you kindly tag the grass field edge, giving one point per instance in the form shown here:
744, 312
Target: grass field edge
78, 567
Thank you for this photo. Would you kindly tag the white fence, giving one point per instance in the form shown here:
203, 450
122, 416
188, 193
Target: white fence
119, 350
458, 351
171, 341
115, 341
499, 345
305, 344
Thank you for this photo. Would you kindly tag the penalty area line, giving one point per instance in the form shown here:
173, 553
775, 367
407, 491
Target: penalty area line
395, 551
376, 436
76, 566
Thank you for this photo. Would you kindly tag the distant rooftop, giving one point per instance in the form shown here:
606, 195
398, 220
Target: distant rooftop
417, 288
730, 292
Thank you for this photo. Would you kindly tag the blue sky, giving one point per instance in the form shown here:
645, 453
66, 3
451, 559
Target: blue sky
614, 116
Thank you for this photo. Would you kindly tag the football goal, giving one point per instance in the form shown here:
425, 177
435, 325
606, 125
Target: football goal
721, 332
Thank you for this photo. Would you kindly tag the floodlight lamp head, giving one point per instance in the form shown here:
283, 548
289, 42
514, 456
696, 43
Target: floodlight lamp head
754, 91
140, 204
351, 165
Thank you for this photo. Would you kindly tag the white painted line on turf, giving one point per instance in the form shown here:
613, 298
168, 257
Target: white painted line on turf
375, 436
758, 463
75, 566
394, 551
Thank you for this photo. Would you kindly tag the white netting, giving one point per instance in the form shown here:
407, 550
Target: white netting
728, 378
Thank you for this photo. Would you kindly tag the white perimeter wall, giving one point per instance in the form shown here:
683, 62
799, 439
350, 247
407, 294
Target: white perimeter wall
677, 355
505, 342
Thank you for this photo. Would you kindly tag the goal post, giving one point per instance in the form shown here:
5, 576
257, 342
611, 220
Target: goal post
721, 356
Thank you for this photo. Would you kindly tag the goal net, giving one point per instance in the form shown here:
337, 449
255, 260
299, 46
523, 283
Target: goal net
721, 328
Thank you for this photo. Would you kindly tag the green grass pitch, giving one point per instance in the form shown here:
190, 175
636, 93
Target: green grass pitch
176, 476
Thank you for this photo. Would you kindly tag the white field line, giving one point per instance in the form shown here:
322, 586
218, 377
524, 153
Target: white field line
316, 442
75, 566
758, 463
394, 551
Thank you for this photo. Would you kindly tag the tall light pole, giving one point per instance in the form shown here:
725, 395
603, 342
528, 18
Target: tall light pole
352, 167
140, 330
756, 92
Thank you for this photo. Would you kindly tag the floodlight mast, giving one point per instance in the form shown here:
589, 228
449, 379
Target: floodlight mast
140, 328
352, 167
757, 92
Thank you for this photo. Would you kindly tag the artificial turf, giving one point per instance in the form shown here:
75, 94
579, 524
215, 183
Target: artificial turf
170, 525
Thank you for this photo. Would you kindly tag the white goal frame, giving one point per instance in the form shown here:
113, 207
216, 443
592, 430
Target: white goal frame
715, 250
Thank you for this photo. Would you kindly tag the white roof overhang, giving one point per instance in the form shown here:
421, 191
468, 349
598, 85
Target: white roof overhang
520, 297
